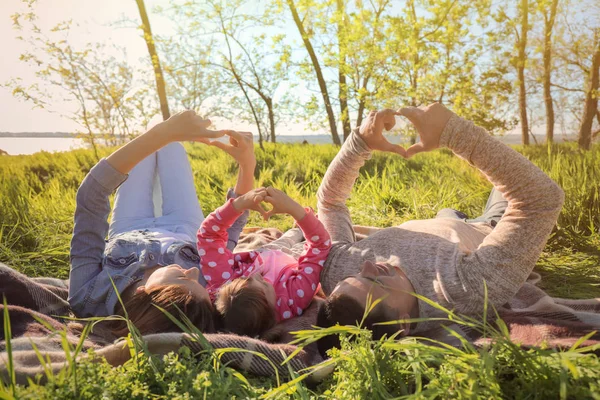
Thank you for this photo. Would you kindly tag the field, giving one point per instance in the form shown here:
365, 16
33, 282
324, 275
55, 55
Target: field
37, 201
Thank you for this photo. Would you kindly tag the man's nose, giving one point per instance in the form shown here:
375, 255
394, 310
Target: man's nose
369, 269
192, 273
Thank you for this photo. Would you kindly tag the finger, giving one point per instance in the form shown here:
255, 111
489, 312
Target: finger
221, 145
414, 149
389, 119
205, 123
401, 151
258, 198
235, 134
211, 134
413, 114
261, 190
270, 213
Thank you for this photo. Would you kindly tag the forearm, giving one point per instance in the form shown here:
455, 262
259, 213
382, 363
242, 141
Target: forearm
245, 178
523, 184
337, 185
128, 156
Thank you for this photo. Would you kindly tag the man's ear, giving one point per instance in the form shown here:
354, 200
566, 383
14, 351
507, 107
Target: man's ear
140, 289
405, 325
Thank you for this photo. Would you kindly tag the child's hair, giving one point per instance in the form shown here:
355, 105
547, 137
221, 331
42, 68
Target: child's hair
244, 308
175, 299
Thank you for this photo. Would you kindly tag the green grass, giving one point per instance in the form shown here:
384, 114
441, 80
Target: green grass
37, 202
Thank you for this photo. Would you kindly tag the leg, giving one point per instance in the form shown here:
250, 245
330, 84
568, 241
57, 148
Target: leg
287, 243
181, 212
451, 213
134, 208
494, 209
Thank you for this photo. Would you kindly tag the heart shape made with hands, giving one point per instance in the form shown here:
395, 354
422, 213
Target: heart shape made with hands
429, 122
270, 201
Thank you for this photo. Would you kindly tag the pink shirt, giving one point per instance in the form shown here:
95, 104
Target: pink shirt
295, 281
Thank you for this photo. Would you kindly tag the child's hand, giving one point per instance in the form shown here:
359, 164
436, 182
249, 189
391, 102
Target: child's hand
240, 147
283, 204
251, 201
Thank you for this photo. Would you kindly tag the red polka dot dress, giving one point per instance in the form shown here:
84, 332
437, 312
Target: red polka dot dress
295, 281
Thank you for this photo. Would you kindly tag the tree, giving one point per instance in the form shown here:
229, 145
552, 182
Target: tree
520, 65
190, 79
590, 110
342, 34
99, 89
249, 70
158, 75
367, 64
549, 18
317, 69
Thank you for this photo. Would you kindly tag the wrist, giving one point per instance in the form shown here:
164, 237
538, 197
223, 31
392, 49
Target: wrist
239, 204
163, 132
297, 212
247, 165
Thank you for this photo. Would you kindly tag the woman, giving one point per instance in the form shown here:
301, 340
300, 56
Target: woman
150, 260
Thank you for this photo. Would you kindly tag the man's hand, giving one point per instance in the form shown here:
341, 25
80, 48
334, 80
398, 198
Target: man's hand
430, 122
251, 201
283, 204
240, 147
188, 126
371, 131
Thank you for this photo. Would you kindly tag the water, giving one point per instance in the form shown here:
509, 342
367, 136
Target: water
29, 145
15, 146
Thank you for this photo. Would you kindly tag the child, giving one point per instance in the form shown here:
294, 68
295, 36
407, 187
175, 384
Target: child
253, 289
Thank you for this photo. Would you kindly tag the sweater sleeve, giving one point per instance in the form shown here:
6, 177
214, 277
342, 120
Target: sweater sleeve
217, 261
90, 230
507, 255
235, 230
337, 185
298, 285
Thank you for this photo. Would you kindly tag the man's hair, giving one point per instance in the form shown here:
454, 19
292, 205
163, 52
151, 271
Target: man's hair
244, 308
345, 310
175, 299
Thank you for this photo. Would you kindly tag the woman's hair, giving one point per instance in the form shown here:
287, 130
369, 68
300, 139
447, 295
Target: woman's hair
175, 299
244, 308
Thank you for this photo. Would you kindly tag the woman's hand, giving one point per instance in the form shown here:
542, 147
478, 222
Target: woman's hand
371, 131
251, 201
188, 126
240, 147
430, 123
283, 204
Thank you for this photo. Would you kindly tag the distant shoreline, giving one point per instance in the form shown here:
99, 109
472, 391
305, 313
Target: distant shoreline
38, 135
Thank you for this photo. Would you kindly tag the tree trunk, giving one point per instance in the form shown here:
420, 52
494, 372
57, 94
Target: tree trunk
318, 72
269, 102
160, 81
362, 103
521, 72
549, 24
591, 98
343, 86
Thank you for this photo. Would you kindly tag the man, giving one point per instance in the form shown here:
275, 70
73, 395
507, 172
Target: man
446, 260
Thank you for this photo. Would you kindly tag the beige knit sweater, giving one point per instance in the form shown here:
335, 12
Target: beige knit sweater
448, 260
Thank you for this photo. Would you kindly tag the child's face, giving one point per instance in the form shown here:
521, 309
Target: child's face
266, 287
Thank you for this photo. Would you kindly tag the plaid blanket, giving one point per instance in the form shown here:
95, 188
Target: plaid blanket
36, 307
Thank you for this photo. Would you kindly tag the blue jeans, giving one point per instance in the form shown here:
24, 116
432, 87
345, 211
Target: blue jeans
159, 193
494, 210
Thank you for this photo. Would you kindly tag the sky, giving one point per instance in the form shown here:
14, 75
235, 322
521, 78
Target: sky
97, 24
96, 21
